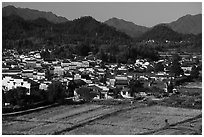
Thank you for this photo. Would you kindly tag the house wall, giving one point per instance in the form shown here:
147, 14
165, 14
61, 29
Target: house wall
31, 64
43, 86
125, 94
59, 71
11, 83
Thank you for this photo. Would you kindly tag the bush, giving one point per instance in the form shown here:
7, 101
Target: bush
56, 92
16, 96
192, 94
151, 103
85, 93
156, 91
180, 81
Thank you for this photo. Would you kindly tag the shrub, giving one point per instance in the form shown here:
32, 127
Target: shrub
85, 93
56, 92
151, 103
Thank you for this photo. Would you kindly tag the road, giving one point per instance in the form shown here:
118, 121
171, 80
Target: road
95, 119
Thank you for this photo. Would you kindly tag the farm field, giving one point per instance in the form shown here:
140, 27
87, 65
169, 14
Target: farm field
96, 119
137, 121
194, 85
187, 128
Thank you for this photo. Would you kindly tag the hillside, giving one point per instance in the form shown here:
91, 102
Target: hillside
85, 28
188, 24
31, 14
161, 33
129, 28
77, 37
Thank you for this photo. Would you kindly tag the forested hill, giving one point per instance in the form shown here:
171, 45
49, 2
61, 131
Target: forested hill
41, 30
163, 33
32, 14
129, 28
189, 24
163, 37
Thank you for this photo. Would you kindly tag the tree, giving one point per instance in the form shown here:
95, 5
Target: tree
103, 79
45, 54
116, 93
3, 98
150, 68
56, 92
71, 87
83, 49
170, 87
48, 75
194, 72
85, 93
175, 67
197, 61
102, 55
158, 67
17, 96
121, 57
176, 57
135, 86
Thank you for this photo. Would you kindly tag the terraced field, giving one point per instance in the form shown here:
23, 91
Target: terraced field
96, 119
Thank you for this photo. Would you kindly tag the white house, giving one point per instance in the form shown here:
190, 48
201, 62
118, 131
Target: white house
125, 92
9, 83
40, 75
186, 68
85, 64
43, 86
27, 73
58, 70
11, 72
77, 76
103, 91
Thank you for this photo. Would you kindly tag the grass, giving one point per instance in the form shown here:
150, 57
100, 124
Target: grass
188, 98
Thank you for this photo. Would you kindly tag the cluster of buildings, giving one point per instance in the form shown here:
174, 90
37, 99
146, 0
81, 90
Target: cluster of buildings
34, 73
188, 60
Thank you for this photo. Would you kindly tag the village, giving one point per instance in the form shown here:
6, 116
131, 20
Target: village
106, 80
88, 96
76, 69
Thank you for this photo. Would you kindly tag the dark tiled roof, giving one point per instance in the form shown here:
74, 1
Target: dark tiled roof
65, 61
31, 81
49, 59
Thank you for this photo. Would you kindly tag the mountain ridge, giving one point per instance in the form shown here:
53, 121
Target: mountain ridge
186, 25
32, 14
71, 31
87, 26
128, 27
162, 32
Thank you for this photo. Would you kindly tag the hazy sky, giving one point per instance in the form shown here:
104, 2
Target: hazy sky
146, 14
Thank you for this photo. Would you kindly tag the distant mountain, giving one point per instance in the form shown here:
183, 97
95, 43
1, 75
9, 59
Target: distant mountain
188, 24
89, 27
31, 14
129, 28
161, 32
79, 30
